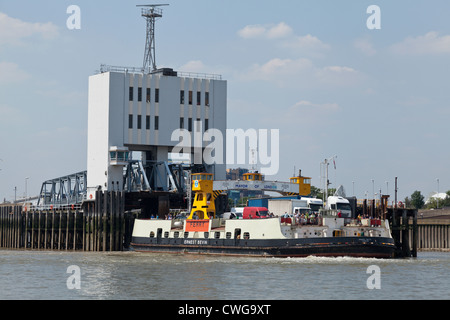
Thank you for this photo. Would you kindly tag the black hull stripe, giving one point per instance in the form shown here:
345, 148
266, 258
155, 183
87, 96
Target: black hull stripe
334, 247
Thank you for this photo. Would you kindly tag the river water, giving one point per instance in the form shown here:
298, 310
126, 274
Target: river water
132, 275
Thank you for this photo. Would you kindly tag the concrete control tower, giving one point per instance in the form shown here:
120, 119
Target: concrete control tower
138, 109
138, 112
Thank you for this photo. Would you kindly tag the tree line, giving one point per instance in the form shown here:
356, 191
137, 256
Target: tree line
417, 201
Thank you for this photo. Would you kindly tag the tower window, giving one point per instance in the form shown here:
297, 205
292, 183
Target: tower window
182, 97
139, 94
190, 97
199, 98
156, 95
190, 124
130, 121
206, 98
148, 94
156, 122
130, 94
147, 122
139, 121
181, 123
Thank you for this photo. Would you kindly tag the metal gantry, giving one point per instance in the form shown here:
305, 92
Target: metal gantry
66, 190
150, 13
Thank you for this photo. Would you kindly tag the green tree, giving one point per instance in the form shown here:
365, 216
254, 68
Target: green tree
315, 191
417, 200
318, 193
407, 202
434, 203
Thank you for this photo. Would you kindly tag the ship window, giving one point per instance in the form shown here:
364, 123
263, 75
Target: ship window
337, 233
166, 234
152, 234
186, 234
206, 235
176, 234
228, 235
217, 234
246, 235
237, 233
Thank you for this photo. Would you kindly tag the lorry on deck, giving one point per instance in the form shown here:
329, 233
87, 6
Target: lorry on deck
281, 206
255, 213
340, 205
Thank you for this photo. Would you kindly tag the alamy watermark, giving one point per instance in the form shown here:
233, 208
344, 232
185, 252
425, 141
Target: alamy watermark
236, 147
73, 22
374, 280
374, 20
74, 280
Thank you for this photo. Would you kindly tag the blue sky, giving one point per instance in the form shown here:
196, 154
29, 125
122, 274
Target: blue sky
378, 99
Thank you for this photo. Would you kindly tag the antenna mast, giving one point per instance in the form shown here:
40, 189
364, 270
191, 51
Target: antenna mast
150, 14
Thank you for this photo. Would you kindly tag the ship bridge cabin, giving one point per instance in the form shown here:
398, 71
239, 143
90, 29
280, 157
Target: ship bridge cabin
304, 184
253, 176
203, 207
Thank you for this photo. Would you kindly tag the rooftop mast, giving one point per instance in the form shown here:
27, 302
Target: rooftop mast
150, 14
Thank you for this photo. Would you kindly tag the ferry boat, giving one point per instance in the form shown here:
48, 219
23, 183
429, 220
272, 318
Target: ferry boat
203, 233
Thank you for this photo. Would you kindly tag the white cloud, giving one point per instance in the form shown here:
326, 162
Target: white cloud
279, 67
280, 30
13, 31
304, 105
307, 42
301, 72
430, 43
285, 38
10, 73
197, 66
338, 76
252, 31
365, 46
193, 66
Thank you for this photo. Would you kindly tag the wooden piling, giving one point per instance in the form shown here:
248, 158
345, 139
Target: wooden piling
100, 225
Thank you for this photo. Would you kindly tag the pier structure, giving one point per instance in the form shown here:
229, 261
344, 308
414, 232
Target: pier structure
103, 225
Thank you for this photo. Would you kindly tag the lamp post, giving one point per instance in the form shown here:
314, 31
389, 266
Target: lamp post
26, 183
437, 196
373, 188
